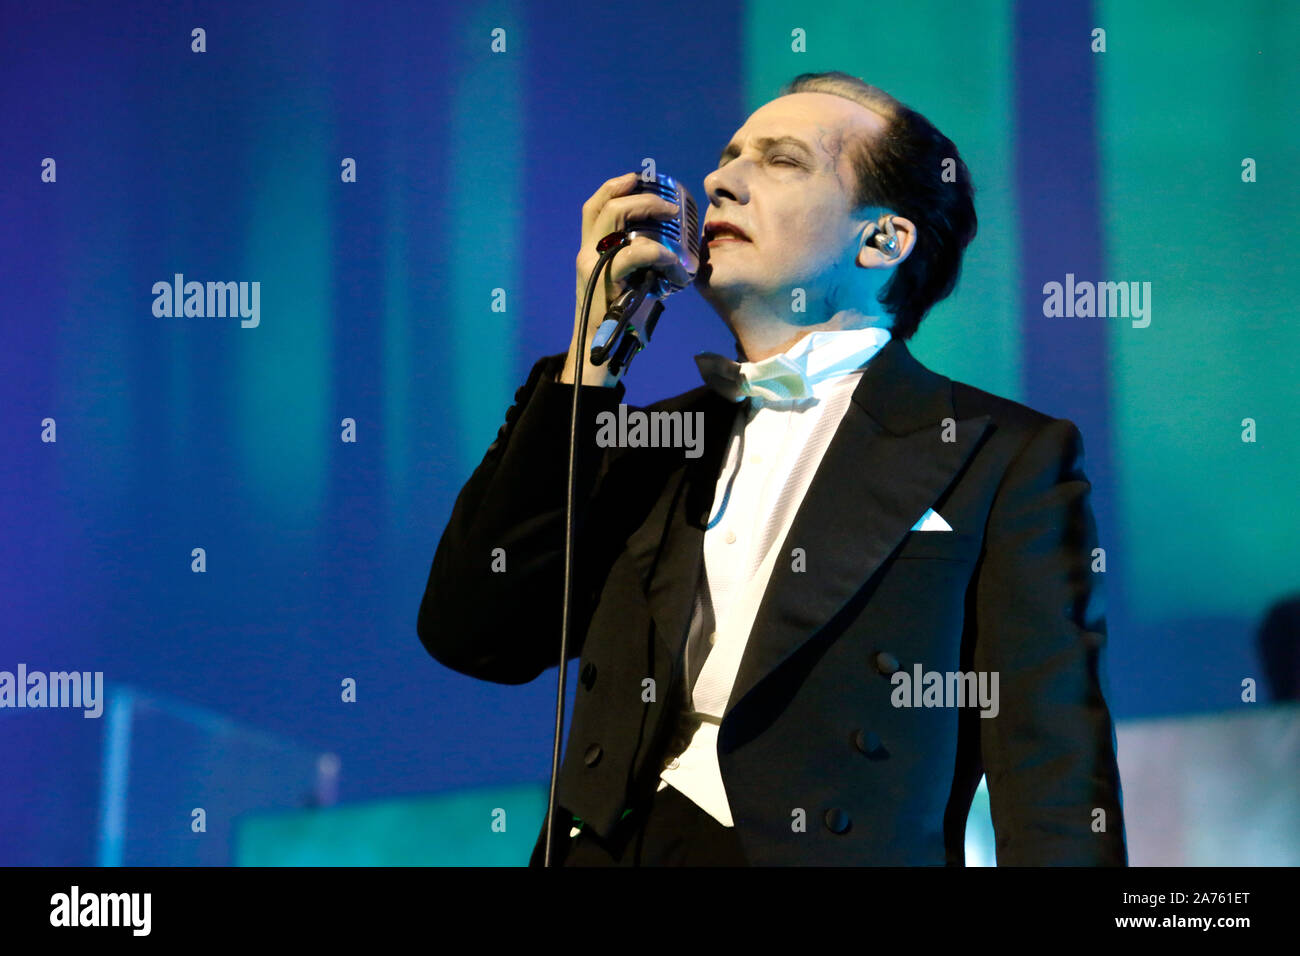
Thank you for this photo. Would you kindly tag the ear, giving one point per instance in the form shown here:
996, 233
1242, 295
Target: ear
871, 256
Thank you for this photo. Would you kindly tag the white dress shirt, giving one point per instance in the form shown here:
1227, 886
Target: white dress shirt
754, 505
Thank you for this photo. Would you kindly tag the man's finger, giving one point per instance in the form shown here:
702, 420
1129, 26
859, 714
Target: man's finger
610, 188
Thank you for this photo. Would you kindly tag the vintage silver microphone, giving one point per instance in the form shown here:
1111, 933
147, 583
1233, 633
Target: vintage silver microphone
631, 318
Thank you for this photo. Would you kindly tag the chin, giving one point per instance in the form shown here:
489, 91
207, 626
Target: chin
726, 278
717, 291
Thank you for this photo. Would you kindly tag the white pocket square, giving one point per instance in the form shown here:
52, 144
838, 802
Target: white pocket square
931, 521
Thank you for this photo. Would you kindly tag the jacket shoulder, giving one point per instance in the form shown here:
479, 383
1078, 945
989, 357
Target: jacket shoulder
1016, 425
971, 402
1023, 437
1017, 422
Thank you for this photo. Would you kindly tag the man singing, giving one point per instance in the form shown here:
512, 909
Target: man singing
875, 585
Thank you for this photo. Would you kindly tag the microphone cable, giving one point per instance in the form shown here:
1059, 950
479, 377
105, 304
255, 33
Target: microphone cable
607, 247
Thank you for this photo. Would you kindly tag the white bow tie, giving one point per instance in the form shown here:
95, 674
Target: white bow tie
778, 378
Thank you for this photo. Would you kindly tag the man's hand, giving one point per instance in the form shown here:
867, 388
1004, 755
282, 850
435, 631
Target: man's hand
609, 209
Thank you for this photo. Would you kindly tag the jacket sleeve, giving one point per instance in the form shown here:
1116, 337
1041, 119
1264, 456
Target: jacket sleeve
1049, 754
492, 604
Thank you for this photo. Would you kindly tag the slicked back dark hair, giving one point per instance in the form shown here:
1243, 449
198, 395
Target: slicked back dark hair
902, 170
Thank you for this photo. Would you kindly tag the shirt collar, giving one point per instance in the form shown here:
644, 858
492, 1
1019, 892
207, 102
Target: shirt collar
826, 355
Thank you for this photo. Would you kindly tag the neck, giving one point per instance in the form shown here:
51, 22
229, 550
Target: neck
761, 336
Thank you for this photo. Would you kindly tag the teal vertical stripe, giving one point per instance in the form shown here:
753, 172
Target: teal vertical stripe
951, 61
484, 243
287, 419
1187, 91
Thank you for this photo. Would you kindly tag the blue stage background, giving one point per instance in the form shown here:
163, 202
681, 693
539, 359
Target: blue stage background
377, 306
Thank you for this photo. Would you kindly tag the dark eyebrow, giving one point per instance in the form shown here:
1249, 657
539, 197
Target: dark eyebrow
765, 142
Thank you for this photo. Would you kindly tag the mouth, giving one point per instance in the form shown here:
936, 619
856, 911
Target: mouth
720, 232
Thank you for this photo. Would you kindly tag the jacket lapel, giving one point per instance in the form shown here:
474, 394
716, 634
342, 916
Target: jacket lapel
888, 463
887, 456
668, 548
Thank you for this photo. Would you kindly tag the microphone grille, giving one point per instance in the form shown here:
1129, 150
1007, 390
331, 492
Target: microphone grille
681, 233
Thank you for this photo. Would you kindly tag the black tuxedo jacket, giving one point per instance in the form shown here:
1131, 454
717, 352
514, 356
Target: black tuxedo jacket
819, 765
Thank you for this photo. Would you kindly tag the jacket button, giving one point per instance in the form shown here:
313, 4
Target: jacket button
588, 675
869, 743
886, 663
593, 755
837, 821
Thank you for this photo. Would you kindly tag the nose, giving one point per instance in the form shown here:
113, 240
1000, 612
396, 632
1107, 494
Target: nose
725, 182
